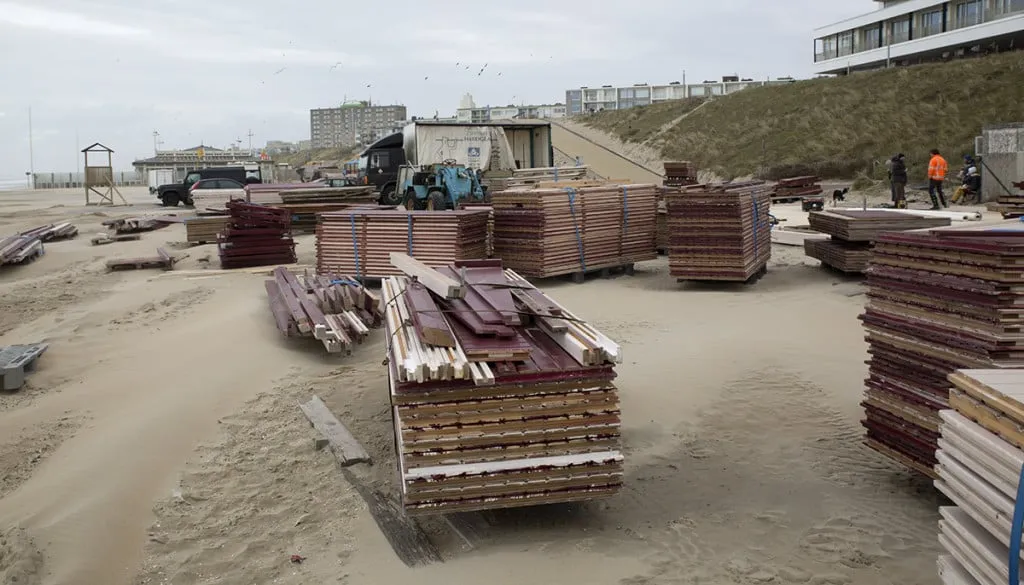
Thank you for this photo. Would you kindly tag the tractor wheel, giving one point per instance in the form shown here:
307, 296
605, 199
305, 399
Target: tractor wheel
388, 196
436, 201
412, 203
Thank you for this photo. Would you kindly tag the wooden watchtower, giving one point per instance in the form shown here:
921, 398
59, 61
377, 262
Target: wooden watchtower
99, 177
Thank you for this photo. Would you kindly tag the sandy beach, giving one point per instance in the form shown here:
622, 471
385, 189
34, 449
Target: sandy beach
159, 441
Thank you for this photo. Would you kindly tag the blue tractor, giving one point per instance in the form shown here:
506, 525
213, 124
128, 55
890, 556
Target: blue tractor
438, 187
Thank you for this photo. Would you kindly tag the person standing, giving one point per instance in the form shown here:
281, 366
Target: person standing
898, 174
937, 169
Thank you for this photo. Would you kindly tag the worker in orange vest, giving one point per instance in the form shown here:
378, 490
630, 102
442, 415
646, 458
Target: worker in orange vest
937, 169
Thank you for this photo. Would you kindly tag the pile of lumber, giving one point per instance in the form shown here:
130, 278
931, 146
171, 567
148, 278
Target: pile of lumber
680, 173
215, 200
979, 466
938, 301
135, 225
531, 177
481, 206
255, 236
163, 260
360, 194
853, 230
52, 232
502, 397
795, 188
719, 231
28, 245
359, 242
1010, 204
556, 231
333, 309
204, 230
306, 216
270, 193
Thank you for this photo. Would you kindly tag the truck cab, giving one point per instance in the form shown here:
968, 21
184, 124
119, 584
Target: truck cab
172, 194
378, 167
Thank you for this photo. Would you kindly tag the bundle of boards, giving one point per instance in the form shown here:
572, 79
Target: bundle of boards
333, 309
502, 397
938, 300
852, 231
359, 242
979, 466
792, 188
719, 232
680, 173
553, 231
255, 236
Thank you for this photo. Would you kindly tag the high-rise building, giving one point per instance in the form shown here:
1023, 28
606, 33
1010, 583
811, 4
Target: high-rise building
352, 124
905, 32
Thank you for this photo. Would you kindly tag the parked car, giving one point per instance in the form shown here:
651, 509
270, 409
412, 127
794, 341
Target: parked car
214, 193
173, 193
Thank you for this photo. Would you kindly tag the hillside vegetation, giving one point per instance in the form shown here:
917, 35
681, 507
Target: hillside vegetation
837, 127
334, 155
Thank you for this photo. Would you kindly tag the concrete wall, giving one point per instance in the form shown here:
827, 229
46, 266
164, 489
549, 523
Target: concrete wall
1002, 151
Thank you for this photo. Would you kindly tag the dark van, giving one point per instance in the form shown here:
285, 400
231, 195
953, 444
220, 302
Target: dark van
378, 166
175, 193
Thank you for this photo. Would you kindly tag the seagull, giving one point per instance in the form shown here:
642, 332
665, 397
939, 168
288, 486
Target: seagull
335, 66
280, 70
426, 78
499, 74
369, 85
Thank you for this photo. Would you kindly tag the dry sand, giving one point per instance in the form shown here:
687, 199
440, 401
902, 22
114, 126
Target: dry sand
160, 442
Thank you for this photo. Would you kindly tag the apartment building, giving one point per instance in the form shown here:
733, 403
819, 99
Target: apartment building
469, 112
352, 124
906, 32
595, 99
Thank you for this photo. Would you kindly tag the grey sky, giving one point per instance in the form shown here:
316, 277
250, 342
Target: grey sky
116, 70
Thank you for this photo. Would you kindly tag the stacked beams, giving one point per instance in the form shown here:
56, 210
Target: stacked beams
522, 413
215, 200
202, 230
333, 309
359, 242
680, 173
719, 232
939, 300
979, 466
794, 188
525, 178
852, 231
255, 236
1010, 204
556, 231
270, 193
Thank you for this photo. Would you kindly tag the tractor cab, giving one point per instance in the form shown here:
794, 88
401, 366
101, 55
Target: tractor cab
438, 187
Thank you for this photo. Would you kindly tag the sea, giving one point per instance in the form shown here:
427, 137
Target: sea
11, 184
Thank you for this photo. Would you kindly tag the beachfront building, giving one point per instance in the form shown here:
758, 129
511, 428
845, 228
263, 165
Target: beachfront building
586, 100
469, 112
906, 32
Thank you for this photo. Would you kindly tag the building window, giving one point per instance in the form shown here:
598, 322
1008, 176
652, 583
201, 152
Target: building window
1008, 6
931, 23
873, 37
968, 13
845, 43
899, 31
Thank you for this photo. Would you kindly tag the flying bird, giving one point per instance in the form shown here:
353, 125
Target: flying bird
426, 78
335, 66
369, 85
280, 70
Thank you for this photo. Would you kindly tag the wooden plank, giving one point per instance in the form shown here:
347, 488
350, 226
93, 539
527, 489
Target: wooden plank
430, 323
439, 284
346, 448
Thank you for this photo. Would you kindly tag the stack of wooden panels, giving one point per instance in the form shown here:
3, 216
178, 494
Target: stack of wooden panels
979, 466
306, 216
52, 232
531, 177
270, 193
938, 300
852, 232
719, 232
1010, 204
680, 173
479, 206
329, 195
203, 230
501, 398
333, 309
558, 231
256, 236
215, 200
795, 188
359, 242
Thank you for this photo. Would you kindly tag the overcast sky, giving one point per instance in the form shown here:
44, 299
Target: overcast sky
115, 71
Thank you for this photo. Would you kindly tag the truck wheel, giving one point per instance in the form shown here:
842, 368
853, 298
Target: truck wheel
170, 199
412, 203
388, 196
436, 201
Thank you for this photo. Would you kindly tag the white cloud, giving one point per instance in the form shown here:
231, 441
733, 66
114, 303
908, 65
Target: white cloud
59, 21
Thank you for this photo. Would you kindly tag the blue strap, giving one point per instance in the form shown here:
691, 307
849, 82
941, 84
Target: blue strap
625, 208
1015, 531
355, 243
757, 220
409, 233
556, 174
579, 237
345, 281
